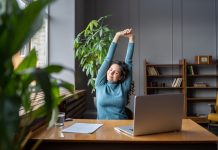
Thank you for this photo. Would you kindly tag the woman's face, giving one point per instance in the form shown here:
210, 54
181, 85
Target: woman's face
114, 73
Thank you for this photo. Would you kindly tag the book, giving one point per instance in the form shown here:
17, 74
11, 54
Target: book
191, 70
174, 81
200, 84
179, 82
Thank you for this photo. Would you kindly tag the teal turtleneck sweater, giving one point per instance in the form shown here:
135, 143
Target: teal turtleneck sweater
112, 97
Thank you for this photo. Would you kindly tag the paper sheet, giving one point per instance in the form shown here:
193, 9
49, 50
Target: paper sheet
82, 128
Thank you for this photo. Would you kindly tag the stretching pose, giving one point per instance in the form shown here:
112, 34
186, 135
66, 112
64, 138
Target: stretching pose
113, 82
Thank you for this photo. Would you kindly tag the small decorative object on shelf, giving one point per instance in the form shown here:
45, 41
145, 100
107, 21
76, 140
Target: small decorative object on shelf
200, 84
191, 70
203, 59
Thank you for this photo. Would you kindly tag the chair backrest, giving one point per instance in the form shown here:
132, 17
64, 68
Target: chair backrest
129, 112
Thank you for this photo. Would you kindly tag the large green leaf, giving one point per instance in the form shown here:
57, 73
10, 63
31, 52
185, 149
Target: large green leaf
67, 85
17, 26
9, 121
54, 68
28, 62
42, 78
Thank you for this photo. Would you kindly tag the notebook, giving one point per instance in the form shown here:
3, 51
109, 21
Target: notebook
155, 114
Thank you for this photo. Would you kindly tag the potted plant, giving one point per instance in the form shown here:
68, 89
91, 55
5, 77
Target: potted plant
91, 46
17, 26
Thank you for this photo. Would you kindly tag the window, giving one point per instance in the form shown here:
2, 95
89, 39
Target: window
39, 41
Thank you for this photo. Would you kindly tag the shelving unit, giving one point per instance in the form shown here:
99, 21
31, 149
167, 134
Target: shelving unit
199, 85
163, 80
199, 97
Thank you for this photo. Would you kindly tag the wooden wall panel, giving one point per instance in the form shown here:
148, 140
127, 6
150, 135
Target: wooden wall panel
166, 30
198, 28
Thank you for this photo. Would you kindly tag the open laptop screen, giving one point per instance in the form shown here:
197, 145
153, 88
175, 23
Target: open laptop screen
155, 114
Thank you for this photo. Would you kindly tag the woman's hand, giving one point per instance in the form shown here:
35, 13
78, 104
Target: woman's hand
125, 33
129, 34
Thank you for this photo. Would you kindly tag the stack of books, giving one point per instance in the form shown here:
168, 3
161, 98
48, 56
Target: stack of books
153, 71
200, 84
177, 82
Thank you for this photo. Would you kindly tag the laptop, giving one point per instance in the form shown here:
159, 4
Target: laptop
155, 114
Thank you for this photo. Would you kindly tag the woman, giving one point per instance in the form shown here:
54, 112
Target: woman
113, 82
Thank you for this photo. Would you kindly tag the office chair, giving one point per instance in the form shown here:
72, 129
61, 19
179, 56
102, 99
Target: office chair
129, 112
213, 115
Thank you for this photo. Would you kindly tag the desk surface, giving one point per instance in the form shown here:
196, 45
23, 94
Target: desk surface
191, 133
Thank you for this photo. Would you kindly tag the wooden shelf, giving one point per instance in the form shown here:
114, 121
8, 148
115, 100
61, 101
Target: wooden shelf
164, 65
203, 99
167, 76
206, 65
190, 87
164, 87
198, 119
203, 75
206, 73
198, 98
193, 96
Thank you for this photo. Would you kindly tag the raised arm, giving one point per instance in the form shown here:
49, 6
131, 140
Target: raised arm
128, 59
102, 72
130, 48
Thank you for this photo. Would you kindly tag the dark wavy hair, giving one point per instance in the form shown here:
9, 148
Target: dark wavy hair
124, 73
123, 68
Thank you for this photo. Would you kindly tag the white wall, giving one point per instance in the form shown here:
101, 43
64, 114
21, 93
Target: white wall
61, 36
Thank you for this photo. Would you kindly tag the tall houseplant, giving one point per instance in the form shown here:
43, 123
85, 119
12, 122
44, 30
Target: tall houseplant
91, 47
17, 26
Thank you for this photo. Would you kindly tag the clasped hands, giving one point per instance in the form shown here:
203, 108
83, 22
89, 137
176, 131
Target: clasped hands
126, 33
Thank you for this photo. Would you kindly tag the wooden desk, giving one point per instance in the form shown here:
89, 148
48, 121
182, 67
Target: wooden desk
192, 136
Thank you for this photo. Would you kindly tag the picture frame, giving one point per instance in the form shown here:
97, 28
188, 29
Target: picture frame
205, 59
